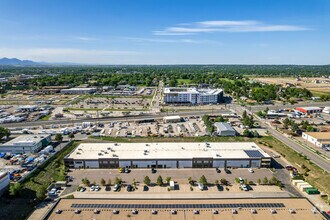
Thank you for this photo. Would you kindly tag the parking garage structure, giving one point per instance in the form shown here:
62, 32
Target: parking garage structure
167, 155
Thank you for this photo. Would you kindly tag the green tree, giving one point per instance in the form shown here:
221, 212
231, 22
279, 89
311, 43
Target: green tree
41, 193
71, 136
223, 181
118, 180
294, 127
58, 137
4, 132
134, 183
147, 180
102, 182
259, 181
168, 179
190, 181
203, 180
15, 189
216, 182
160, 180
265, 181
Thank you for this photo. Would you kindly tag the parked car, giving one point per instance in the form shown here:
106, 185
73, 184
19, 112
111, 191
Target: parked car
227, 171
201, 186
250, 170
244, 187
107, 188
127, 170
116, 187
217, 170
82, 189
129, 188
153, 170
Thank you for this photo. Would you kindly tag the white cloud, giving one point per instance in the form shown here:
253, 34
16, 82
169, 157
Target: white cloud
227, 26
85, 38
163, 40
68, 54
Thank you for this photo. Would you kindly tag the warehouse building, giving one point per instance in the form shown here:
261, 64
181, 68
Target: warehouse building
26, 143
171, 119
4, 182
224, 129
319, 139
78, 91
168, 155
309, 110
192, 96
175, 209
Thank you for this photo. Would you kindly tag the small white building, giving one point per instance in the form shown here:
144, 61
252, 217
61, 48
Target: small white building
224, 129
78, 91
4, 182
171, 119
326, 110
319, 139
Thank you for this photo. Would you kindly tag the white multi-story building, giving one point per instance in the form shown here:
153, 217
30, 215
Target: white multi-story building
192, 95
320, 139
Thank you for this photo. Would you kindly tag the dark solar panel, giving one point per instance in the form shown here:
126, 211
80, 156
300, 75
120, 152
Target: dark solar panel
178, 206
253, 153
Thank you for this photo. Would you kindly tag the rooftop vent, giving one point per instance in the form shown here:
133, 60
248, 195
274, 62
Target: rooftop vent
114, 155
174, 212
116, 212
77, 211
196, 212
273, 211
154, 212
58, 211
135, 212
96, 211
253, 211
292, 211
215, 212
234, 211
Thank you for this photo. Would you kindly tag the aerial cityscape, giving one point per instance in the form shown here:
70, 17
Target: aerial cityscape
168, 109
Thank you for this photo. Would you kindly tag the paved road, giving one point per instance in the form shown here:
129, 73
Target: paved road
108, 119
312, 156
277, 106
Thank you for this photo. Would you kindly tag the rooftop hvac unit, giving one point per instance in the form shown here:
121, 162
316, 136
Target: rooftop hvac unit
100, 154
253, 211
234, 211
78, 153
292, 211
273, 211
114, 155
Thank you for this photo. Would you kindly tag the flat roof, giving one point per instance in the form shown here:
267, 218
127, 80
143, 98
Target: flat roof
319, 135
26, 140
78, 89
310, 108
185, 209
169, 90
167, 150
224, 126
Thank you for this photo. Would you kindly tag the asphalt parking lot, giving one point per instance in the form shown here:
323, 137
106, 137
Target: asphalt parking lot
179, 175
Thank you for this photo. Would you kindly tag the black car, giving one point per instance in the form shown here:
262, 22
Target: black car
107, 188
153, 170
218, 170
129, 188
227, 171
145, 188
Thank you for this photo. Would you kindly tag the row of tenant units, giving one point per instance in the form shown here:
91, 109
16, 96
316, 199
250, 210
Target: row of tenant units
193, 163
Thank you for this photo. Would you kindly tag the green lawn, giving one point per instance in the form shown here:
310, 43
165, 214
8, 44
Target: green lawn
184, 81
316, 176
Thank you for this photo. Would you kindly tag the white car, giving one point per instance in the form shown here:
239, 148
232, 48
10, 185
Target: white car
92, 188
82, 189
251, 171
201, 186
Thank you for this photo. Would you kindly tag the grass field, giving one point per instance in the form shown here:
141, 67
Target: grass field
45, 118
316, 176
184, 81
38, 181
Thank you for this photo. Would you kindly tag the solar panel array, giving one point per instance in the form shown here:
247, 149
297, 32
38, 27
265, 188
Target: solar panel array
254, 153
177, 206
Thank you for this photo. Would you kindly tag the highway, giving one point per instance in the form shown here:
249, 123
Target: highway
109, 119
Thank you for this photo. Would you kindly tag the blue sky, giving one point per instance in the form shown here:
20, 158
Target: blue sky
167, 31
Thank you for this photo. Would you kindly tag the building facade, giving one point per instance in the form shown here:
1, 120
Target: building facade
78, 91
4, 182
319, 139
309, 110
167, 155
26, 143
192, 96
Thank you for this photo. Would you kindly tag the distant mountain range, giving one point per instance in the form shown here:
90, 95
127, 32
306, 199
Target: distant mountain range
17, 62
